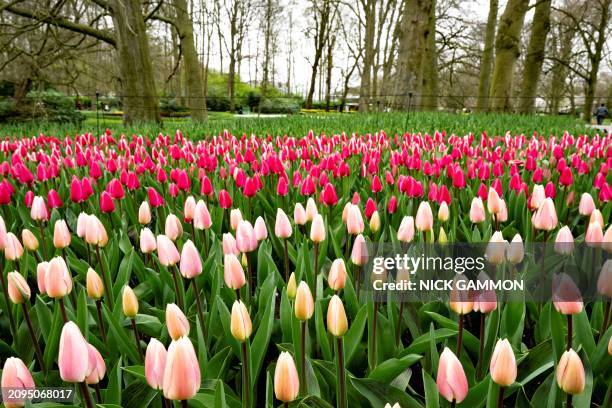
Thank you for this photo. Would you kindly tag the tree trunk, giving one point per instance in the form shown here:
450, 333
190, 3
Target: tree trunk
413, 40
320, 39
429, 101
196, 98
535, 56
140, 103
330, 48
369, 8
595, 57
506, 54
486, 62
559, 68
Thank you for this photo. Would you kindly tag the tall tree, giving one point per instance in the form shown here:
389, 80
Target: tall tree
369, 23
129, 37
239, 15
506, 53
535, 55
413, 40
563, 41
486, 61
429, 100
322, 14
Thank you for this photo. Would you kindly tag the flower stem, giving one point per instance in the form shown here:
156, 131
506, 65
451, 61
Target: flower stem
606, 318
481, 347
7, 305
199, 305
570, 331
101, 322
39, 354
316, 259
86, 396
341, 398
107, 293
398, 329
374, 324
63, 310
303, 357
42, 240
500, 398
184, 404
568, 403
286, 262
98, 393
179, 298
460, 336
246, 390
137, 338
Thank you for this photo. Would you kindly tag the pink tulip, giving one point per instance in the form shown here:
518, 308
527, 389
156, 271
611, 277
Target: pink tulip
97, 367
545, 218
594, 235
15, 376
477, 211
282, 227
189, 209
201, 217
286, 380
564, 242
503, 364
311, 209
190, 264
233, 274
82, 224
586, 205
405, 233
73, 355
451, 381
299, 214
570, 373
13, 250
147, 241
176, 322
155, 364
18, 289
538, 195
424, 217
41, 271
261, 232
317, 229
235, 218
229, 245
604, 283
245, 237
485, 301
566, 295
354, 220
166, 251
144, 213
173, 228
58, 281
182, 371
606, 242
39, 212
2, 234
359, 254
95, 233
337, 275
61, 234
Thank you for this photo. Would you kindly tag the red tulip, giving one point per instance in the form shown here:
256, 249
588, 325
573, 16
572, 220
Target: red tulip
76, 191
155, 198
328, 195
225, 201
53, 199
566, 178
107, 205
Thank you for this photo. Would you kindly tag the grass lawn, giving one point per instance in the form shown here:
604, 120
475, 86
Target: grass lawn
328, 123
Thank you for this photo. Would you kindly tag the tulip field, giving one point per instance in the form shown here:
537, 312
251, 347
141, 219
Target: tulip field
226, 269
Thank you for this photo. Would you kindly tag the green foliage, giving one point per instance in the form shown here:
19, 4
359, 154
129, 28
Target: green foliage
46, 106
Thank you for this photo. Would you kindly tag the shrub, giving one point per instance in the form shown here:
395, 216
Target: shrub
49, 106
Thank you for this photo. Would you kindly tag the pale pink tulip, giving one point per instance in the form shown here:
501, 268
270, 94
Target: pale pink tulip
245, 237
235, 218
155, 364
564, 242
201, 217
173, 228
176, 322
282, 227
229, 245
545, 218
166, 251
41, 272
261, 232
189, 209
82, 224
144, 213
97, 366
18, 289
39, 212
182, 371
477, 211
451, 380
61, 234
286, 380
566, 295
570, 373
191, 263
337, 323
405, 233
354, 220
538, 195
359, 254
2, 234
604, 283
15, 376
304, 303
594, 235
503, 364
148, 243
317, 229
493, 201
58, 281
13, 250
73, 355
424, 217
233, 274
337, 275
95, 233
586, 205
311, 209
299, 214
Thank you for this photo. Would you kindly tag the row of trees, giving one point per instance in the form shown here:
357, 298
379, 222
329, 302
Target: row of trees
393, 53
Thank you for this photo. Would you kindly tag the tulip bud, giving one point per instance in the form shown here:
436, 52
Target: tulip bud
15, 376
337, 275
61, 235
144, 213
18, 289
155, 363
95, 233
311, 209
29, 240
13, 250
173, 228
503, 364
496, 249
485, 300
147, 241
95, 286
233, 274
317, 229
73, 355
97, 367
405, 233
424, 217
282, 227
359, 254
166, 251
235, 218
477, 211
515, 251
606, 242
461, 301
229, 245
299, 214
41, 272
566, 295
82, 225
291, 287
443, 212
176, 322
190, 264
337, 323
442, 238
58, 282
594, 234
354, 220
286, 380
375, 222
201, 218
38, 211
130, 302
502, 214
586, 205
304, 303
604, 283
451, 380
240, 326
545, 218
570, 373
564, 242
493, 201
261, 231
182, 372
189, 209
245, 237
